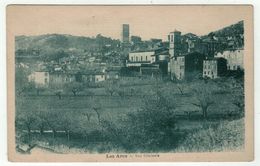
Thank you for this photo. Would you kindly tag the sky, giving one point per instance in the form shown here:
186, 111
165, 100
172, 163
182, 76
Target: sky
145, 21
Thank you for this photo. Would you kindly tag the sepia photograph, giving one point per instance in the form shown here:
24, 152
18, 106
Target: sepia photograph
130, 83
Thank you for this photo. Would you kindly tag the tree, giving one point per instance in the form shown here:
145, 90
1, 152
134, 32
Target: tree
21, 81
74, 87
203, 94
41, 121
96, 110
58, 93
26, 120
181, 88
88, 114
66, 121
111, 87
52, 120
153, 125
236, 87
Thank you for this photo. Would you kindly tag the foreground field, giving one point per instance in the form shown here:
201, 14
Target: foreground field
153, 117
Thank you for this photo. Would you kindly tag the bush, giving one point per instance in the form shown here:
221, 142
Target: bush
227, 136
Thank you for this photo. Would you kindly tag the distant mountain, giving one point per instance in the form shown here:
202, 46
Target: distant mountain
64, 42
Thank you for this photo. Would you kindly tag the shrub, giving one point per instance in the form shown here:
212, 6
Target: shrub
227, 136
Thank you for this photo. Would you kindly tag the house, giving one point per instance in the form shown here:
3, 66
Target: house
113, 72
214, 67
162, 58
188, 65
40, 78
137, 58
234, 58
99, 76
58, 78
209, 47
90, 76
150, 69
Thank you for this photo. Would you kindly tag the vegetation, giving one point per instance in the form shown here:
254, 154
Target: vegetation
141, 115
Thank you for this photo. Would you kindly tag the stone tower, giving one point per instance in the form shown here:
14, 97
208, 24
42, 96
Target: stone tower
175, 43
125, 33
174, 51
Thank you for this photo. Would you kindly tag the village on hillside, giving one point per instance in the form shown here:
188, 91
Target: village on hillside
79, 94
211, 56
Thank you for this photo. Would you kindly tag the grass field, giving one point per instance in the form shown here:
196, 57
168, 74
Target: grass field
86, 129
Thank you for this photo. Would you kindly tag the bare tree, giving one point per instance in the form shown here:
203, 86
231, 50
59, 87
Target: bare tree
96, 109
58, 93
66, 122
111, 87
89, 115
74, 87
238, 97
203, 95
181, 88
26, 120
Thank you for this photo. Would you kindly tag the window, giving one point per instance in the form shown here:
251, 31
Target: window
208, 72
136, 58
234, 67
205, 72
146, 58
141, 58
132, 58
212, 73
46, 74
46, 80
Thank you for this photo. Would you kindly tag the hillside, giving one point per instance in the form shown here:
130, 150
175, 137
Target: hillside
40, 45
230, 37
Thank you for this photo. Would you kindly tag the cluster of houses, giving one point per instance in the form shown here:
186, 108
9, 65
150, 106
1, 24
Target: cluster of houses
45, 78
187, 55
182, 56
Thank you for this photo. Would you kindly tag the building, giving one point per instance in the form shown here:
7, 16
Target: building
136, 58
58, 78
190, 43
142, 61
209, 47
99, 76
113, 72
40, 78
162, 57
187, 66
150, 69
125, 33
175, 63
234, 58
174, 43
214, 67
136, 39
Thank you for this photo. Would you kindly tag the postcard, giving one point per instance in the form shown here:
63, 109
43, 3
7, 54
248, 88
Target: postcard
130, 83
